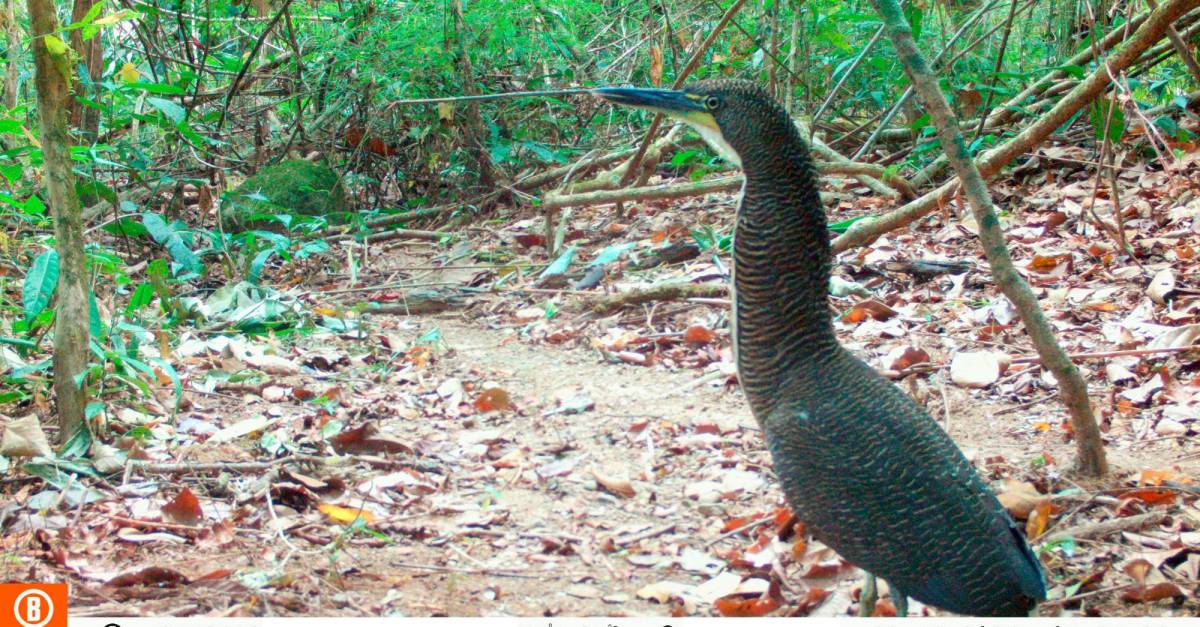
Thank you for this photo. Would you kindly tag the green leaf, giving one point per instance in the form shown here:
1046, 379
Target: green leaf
844, 225
12, 341
157, 88
95, 327
34, 206
91, 16
128, 227
40, 283
256, 266
611, 253
56, 46
1074, 71
77, 445
13, 127
142, 296
170, 239
1098, 115
561, 264
172, 110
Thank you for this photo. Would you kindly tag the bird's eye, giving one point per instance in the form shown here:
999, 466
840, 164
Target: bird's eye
712, 103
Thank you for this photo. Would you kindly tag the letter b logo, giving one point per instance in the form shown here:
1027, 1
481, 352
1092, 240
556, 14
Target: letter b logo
33, 605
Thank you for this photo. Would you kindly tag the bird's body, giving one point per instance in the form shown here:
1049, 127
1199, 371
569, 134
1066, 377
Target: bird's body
869, 472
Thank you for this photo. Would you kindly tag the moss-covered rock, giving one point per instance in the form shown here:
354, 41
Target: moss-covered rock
294, 188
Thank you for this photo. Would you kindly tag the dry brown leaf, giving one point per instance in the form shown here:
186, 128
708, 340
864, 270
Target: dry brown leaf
740, 606
1039, 519
493, 399
1020, 498
24, 437
1045, 263
615, 485
699, 334
1157, 592
904, 357
184, 509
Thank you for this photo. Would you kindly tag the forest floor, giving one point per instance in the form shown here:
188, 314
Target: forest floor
520, 454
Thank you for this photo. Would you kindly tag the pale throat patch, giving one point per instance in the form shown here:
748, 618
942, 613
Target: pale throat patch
713, 138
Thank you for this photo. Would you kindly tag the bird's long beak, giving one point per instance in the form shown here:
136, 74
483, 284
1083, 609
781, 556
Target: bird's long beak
676, 104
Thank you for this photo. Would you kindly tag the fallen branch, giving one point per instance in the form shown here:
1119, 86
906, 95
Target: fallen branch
1140, 352
394, 234
553, 202
669, 291
1092, 530
990, 163
419, 303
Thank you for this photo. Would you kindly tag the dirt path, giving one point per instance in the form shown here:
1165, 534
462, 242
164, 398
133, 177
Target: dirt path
618, 509
652, 426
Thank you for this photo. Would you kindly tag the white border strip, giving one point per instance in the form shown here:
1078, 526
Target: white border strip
626, 622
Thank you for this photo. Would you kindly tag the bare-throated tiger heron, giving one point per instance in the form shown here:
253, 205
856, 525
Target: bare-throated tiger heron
870, 472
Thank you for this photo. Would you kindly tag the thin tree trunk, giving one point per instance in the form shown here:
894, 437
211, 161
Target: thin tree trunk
12, 53
789, 95
85, 120
1090, 457
53, 81
475, 129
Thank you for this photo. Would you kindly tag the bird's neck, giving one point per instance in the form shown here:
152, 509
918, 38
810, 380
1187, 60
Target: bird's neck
781, 268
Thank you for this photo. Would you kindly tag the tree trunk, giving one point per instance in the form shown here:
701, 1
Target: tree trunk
12, 52
53, 81
1090, 458
475, 130
84, 119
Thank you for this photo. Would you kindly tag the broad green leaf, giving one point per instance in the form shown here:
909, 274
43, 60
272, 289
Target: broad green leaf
141, 297
170, 239
256, 266
126, 226
172, 110
11, 172
56, 46
91, 16
561, 264
40, 283
34, 206
611, 253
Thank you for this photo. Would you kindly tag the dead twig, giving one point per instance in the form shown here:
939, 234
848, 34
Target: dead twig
1103, 528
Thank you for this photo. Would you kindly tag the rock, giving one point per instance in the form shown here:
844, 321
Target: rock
290, 188
976, 369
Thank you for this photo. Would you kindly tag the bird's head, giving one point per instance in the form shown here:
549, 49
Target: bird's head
732, 116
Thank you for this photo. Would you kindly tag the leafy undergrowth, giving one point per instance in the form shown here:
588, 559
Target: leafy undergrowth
527, 449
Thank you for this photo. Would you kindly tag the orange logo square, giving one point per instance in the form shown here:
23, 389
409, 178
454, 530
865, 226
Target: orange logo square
33, 604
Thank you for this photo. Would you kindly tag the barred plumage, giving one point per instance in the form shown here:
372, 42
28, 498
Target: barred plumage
869, 472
